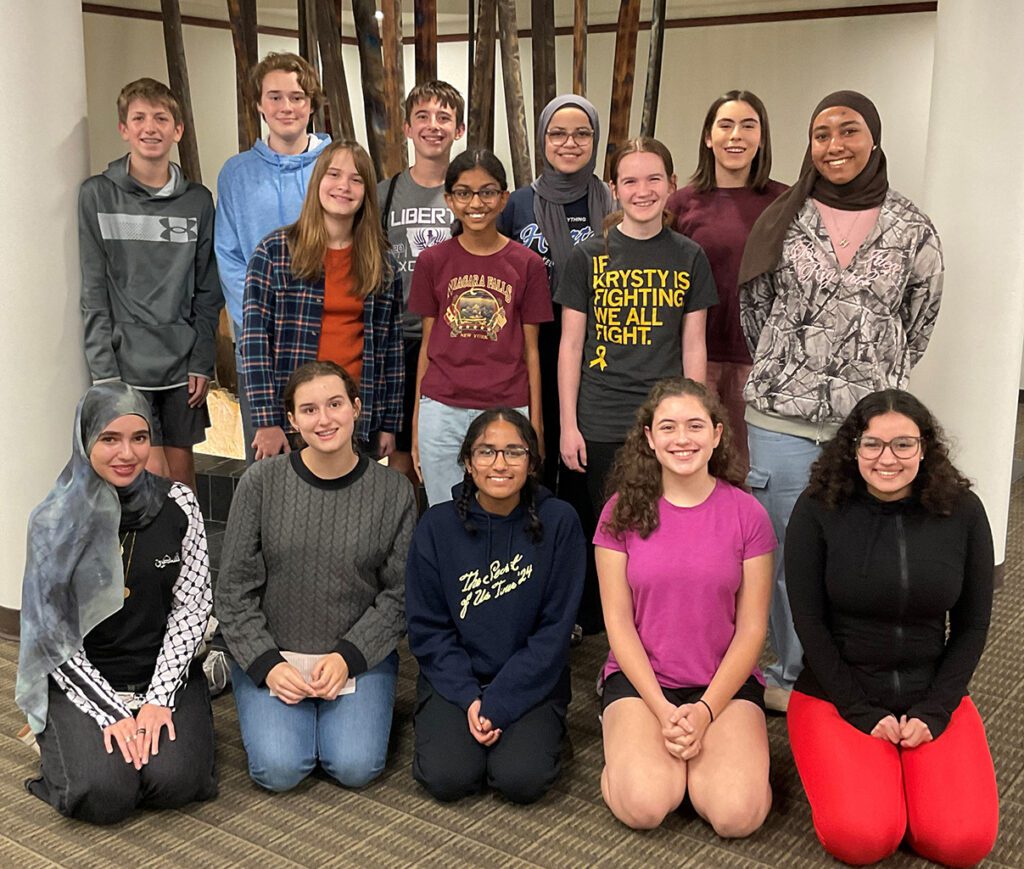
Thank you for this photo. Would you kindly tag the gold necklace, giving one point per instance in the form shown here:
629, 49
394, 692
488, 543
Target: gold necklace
829, 217
128, 567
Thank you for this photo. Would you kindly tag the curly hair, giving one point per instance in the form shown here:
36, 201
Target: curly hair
528, 494
835, 477
636, 475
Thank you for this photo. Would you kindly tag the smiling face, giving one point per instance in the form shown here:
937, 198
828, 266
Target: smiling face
150, 130
324, 415
342, 188
285, 107
683, 436
572, 154
433, 129
889, 477
121, 451
734, 139
479, 210
642, 186
499, 481
841, 144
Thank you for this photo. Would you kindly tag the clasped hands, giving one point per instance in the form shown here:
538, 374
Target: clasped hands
139, 737
906, 733
683, 728
482, 729
329, 676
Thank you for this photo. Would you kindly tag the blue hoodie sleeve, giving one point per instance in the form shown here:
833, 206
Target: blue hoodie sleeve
227, 245
532, 673
433, 639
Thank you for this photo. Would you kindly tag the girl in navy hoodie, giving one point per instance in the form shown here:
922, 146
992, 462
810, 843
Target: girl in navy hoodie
492, 586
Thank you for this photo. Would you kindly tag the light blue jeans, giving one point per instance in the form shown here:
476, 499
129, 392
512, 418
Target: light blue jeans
440, 434
248, 432
347, 736
780, 467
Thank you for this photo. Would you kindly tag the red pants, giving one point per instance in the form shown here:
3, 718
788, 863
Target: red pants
867, 794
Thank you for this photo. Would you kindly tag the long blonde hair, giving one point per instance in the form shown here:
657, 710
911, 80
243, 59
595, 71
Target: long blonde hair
307, 237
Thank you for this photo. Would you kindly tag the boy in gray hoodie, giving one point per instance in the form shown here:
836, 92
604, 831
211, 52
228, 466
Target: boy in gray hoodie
151, 297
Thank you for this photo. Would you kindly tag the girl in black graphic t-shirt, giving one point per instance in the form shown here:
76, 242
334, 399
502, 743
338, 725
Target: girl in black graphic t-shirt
115, 601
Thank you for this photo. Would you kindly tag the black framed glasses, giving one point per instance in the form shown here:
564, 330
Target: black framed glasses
463, 195
901, 447
580, 136
485, 455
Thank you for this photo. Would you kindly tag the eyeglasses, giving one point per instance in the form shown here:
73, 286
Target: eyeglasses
487, 455
902, 448
463, 195
560, 137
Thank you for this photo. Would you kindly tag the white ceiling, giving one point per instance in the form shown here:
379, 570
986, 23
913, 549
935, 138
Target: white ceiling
452, 14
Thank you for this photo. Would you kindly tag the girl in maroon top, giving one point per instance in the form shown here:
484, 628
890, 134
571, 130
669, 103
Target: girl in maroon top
716, 209
482, 298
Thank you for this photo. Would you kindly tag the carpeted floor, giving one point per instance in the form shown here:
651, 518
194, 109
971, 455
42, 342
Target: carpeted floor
393, 823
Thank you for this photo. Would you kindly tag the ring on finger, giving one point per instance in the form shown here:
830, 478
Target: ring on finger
141, 731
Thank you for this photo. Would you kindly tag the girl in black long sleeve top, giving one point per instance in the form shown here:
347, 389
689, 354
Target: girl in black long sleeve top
886, 542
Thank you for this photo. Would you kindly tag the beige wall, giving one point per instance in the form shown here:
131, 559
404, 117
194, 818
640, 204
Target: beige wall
789, 65
40, 326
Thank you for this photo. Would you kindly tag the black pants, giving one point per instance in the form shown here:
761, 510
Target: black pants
80, 780
451, 764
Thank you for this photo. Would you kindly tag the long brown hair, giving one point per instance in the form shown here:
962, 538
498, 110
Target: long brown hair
704, 179
636, 145
307, 237
636, 475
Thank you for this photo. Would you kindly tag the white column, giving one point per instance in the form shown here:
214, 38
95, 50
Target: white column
44, 157
974, 182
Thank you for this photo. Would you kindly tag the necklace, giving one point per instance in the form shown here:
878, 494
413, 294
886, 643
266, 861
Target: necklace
835, 230
128, 566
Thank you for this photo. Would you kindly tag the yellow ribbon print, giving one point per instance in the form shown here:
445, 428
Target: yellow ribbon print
599, 359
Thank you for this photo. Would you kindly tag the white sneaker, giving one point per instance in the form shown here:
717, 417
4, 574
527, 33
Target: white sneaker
217, 673
776, 698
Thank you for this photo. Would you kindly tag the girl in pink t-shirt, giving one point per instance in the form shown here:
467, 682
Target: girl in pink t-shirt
482, 298
684, 559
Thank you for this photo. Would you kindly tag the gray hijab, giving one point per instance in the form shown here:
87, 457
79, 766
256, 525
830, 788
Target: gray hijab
74, 578
553, 189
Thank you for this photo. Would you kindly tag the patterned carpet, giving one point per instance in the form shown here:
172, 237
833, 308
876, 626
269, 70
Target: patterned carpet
393, 823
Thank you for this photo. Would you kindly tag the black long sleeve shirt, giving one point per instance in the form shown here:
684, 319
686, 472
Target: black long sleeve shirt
870, 584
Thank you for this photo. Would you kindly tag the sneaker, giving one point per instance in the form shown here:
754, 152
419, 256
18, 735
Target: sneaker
776, 699
27, 737
216, 669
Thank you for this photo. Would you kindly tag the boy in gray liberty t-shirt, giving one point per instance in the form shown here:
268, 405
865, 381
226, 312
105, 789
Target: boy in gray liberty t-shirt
415, 216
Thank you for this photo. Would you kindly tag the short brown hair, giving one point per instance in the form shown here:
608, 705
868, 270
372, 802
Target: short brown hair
152, 91
311, 371
285, 61
447, 95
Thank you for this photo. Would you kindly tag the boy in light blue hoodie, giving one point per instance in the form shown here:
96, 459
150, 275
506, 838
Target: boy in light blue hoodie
262, 189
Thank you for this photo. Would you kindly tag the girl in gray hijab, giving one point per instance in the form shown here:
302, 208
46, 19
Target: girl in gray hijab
115, 600
565, 205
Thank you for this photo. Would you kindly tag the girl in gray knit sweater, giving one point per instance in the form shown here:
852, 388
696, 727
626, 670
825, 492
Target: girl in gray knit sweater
310, 595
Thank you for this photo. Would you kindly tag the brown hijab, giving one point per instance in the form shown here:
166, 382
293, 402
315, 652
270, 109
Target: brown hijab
867, 190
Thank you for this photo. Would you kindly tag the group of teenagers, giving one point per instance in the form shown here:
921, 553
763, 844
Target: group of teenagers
706, 382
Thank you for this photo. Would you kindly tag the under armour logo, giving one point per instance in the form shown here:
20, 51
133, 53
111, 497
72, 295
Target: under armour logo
179, 229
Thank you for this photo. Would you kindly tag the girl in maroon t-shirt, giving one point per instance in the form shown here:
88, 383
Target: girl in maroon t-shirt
482, 298
717, 209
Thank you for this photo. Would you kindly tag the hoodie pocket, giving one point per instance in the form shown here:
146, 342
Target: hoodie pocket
153, 356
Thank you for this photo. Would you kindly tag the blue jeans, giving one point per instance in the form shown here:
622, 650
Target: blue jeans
440, 434
347, 736
248, 432
780, 467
